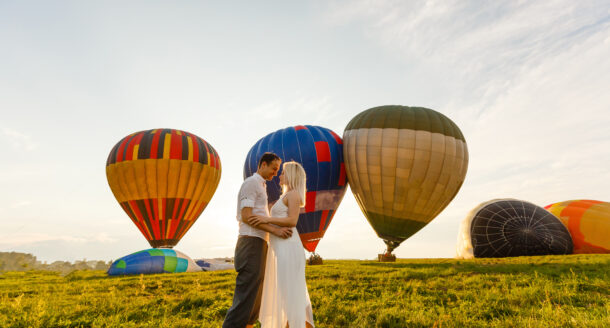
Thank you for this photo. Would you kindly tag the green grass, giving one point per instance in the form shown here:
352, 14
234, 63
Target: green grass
550, 291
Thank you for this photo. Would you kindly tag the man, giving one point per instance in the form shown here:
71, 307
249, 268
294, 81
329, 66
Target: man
251, 249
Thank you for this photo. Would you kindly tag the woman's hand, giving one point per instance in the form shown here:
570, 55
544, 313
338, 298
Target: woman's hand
256, 220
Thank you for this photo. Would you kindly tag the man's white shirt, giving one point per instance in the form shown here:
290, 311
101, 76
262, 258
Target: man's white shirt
253, 193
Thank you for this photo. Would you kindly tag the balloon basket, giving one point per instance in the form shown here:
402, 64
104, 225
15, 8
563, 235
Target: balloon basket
314, 259
386, 257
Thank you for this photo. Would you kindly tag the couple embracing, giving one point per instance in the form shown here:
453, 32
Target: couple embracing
270, 283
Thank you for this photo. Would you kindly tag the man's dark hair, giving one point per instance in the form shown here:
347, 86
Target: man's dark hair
268, 158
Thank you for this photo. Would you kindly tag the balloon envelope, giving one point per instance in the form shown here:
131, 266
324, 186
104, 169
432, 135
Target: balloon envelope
404, 166
319, 150
588, 221
163, 179
511, 227
154, 260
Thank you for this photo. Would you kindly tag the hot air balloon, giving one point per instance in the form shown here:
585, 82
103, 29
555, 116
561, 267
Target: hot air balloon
511, 227
153, 261
404, 166
588, 221
319, 151
163, 179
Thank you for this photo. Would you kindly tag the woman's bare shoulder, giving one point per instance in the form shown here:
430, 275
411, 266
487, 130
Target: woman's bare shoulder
292, 196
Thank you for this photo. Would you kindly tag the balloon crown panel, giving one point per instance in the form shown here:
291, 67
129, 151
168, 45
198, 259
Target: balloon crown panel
320, 152
163, 179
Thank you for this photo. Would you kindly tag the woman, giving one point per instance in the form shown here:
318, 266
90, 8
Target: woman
285, 300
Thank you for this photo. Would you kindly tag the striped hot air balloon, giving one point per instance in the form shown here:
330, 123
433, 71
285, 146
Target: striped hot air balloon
404, 166
163, 179
319, 150
588, 221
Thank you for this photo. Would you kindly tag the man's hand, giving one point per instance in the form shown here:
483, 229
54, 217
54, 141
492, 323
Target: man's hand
256, 220
283, 232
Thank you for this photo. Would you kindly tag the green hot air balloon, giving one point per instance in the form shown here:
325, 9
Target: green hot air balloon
404, 166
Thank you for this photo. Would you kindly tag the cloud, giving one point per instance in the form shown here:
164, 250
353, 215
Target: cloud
104, 238
21, 204
269, 110
298, 108
19, 140
474, 46
526, 81
15, 240
221, 247
31, 239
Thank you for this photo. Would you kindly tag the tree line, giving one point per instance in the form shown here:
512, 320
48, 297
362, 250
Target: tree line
16, 261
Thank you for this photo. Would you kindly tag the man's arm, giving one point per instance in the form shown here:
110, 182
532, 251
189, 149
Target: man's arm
283, 232
294, 205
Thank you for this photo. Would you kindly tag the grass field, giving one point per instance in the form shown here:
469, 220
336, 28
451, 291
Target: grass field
551, 291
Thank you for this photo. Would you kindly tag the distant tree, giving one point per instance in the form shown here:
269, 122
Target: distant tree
15, 261
101, 265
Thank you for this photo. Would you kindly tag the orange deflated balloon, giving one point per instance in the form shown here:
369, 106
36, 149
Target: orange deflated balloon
163, 179
588, 221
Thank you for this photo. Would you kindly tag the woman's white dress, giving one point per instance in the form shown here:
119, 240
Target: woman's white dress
285, 298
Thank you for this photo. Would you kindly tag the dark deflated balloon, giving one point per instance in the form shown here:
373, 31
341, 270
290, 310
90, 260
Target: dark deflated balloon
509, 227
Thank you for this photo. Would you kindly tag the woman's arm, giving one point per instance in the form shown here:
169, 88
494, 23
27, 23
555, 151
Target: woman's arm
281, 232
294, 207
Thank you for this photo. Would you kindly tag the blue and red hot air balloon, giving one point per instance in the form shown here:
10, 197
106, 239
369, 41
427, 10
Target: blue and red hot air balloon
320, 151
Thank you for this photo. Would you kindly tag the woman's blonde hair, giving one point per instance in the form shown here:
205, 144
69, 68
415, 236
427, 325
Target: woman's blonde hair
295, 179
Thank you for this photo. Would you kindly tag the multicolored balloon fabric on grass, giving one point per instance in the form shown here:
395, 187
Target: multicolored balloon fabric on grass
404, 166
320, 152
163, 179
154, 260
511, 227
588, 221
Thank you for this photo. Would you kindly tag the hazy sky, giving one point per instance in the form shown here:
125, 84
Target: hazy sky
527, 82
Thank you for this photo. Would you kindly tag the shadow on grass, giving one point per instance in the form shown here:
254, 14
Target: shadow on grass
545, 266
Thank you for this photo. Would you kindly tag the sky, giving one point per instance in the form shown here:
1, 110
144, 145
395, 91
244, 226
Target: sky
527, 82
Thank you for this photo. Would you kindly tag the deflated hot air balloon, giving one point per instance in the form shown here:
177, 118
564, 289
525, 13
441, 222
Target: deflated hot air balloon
319, 150
404, 166
511, 227
154, 261
163, 179
588, 221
